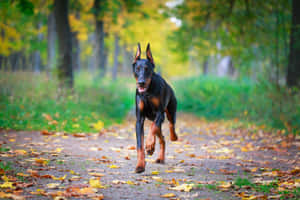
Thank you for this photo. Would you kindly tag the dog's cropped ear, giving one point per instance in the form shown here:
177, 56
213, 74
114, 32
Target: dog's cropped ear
138, 53
149, 54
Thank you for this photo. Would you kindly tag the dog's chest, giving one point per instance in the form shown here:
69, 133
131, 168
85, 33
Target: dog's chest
151, 106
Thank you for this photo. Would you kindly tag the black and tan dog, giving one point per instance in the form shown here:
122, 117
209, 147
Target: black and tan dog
154, 97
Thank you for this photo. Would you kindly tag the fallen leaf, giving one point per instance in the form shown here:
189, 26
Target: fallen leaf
58, 150
60, 198
59, 178
41, 161
155, 172
96, 174
131, 147
20, 152
130, 182
52, 185
168, 195
184, 187
47, 117
114, 166
98, 125
45, 132
7, 185
95, 183
79, 135
21, 174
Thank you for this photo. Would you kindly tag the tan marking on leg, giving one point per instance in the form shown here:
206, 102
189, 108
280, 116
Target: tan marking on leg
162, 144
141, 105
173, 135
140, 167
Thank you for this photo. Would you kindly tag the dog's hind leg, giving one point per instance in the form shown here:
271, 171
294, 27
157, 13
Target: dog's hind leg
161, 156
171, 115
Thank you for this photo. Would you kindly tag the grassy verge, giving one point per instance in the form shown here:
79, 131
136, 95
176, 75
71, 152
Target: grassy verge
221, 98
34, 102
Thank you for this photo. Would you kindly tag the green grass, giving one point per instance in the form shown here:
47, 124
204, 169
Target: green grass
34, 102
27, 100
246, 100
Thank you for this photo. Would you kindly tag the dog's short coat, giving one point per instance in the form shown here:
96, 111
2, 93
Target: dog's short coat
154, 97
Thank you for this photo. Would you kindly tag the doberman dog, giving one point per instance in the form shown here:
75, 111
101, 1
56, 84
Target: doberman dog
154, 97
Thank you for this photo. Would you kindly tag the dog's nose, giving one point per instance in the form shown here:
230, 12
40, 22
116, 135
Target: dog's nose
141, 82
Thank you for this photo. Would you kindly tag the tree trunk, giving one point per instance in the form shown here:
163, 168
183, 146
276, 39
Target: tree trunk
205, 66
75, 52
51, 37
127, 57
37, 55
76, 48
100, 34
1, 61
293, 73
65, 71
116, 55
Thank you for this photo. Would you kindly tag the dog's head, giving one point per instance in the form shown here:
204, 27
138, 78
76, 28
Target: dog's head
143, 69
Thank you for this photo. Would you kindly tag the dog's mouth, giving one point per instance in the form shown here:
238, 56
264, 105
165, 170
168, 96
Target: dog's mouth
142, 89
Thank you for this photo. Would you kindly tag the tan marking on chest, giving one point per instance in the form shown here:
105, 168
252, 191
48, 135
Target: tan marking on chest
155, 101
141, 105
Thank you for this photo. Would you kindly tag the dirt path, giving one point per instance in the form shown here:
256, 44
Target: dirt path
210, 161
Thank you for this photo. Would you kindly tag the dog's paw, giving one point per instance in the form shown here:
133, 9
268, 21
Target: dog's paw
160, 161
150, 151
173, 137
139, 169
150, 148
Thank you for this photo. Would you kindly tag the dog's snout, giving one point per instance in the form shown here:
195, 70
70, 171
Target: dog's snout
141, 82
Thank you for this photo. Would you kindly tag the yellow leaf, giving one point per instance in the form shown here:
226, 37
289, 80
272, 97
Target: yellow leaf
98, 126
52, 185
114, 166
88, 190
59, 178
75, 125
95, 183
58, 150
42, 161
184, 187
7, 185
168, 195
5, 178
21, 174
169, 171
130, 182
155, 172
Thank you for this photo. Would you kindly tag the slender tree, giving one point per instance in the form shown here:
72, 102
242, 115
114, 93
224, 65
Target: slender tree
100, 34
65, 71
116, 55
51, 37
293, 73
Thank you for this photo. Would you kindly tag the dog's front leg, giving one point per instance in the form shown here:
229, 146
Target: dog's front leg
157, 129
140, 167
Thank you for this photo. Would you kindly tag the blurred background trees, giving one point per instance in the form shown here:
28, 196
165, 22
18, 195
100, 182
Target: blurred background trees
226, 38
225, 58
